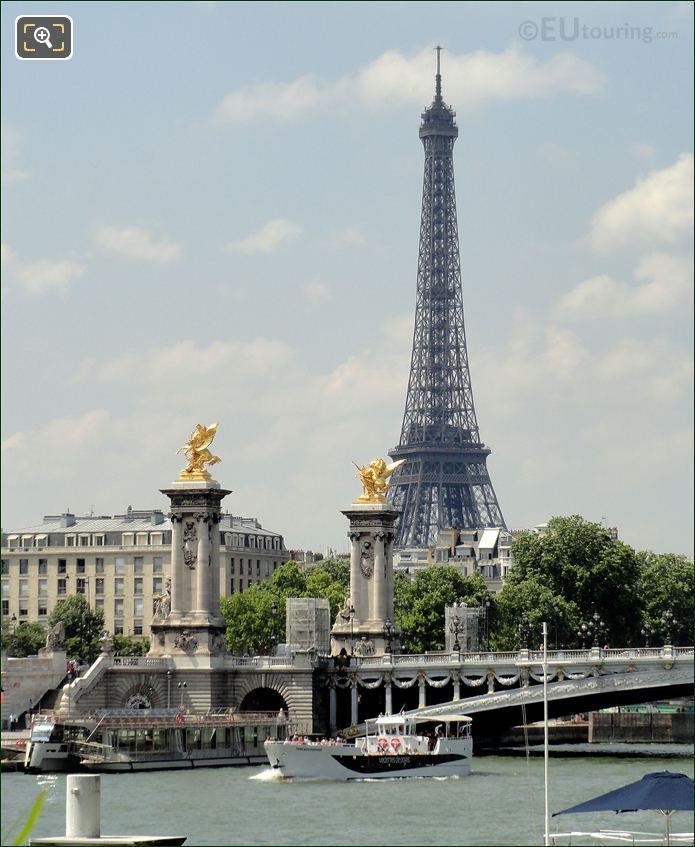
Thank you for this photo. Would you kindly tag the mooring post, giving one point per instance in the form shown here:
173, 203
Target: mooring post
83, 806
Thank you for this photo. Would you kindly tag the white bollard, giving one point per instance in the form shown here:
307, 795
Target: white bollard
83, 806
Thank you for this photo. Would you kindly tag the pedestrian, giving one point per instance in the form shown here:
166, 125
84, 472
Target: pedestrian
13, 721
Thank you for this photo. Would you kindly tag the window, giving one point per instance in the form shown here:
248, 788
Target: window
62, 565
156, 538
27, 541
99, 585
252, 540
84, 541
69, 540
137, 585
248, 568
138, 563
43, 566
267, 569
23, 587
258, 567
118, 627
43, 609
5, 607
81, 586
157, 564
23, 608
137, 627
128, 539
231, 587
98, 540
119, 566
141, 539
24, 566
13, 540
138, 607
80, 566
5, 567
118, 584
157, 585
43, 588
62, 586
99, 603
231, 566
118, 608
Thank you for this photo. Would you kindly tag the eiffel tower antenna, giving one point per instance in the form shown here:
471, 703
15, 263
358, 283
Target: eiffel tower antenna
444, 482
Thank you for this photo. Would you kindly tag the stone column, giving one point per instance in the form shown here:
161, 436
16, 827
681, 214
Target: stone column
390, 613
422, 697
176, 564
457, 687
214, 599
388, 698
379, 584
353, 702
332, 707
355, 595
203, 574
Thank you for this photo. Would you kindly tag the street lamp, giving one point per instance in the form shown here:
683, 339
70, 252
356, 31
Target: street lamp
389, 632
667, 622
273, 634
486, 611
456, 628
13, 624
182, 686
648, 632
556, 617
525, 631
598, 626
583, 633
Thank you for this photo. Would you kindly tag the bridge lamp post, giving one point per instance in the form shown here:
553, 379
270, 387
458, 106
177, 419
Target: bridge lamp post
273, 630
456, 628
13, 629
182, 686
668, 622
583, 633
486, 612
598, 626
389, 632
648, 632
556, 617
525, 631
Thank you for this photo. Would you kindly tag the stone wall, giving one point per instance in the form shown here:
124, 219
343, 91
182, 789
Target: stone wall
641, 727
25, 681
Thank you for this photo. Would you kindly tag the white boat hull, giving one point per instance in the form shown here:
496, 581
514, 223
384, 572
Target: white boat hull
347, 762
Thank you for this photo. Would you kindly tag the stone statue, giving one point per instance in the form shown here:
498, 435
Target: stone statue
186, 641
197, 453
106, 643
373, 477
55, 639
364, 647
162, 602
344, 616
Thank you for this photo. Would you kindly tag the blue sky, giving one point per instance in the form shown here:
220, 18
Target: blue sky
211, 213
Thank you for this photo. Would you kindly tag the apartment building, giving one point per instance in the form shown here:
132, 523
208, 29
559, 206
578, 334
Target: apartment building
119, 563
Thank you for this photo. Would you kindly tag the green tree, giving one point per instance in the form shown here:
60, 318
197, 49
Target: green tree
419, 605
666, 585
83, 626
579, 561
251, 624
26, 639
128, 645
530, 597
289, 580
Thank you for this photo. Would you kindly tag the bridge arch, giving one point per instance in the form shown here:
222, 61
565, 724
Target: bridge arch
294, 689
263, 699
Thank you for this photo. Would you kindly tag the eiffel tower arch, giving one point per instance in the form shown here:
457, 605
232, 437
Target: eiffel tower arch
444, 482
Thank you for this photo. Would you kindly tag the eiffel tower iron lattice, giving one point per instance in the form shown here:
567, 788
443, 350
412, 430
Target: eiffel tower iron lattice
444, 482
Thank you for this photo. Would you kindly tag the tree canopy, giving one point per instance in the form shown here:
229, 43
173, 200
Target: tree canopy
26, 639
83, 626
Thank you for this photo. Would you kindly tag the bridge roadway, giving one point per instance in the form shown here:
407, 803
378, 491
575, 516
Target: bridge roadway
578, 681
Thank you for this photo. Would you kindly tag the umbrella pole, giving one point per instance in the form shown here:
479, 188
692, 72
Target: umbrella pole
668, 828
545, 734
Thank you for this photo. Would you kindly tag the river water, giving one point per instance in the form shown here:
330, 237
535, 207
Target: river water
500, 803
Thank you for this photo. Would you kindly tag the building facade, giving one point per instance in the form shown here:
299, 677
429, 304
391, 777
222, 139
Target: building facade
119, 563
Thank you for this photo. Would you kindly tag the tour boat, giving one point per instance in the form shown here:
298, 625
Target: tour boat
149, 739
392, 747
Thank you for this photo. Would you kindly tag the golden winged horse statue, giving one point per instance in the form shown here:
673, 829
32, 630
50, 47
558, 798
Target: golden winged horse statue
197, 452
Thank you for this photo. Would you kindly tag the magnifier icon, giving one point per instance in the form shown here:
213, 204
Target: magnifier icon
43, 36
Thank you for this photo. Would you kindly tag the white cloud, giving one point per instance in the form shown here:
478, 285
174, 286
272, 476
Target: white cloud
268, 238
351, 236
642, 151
12, 171
667, 283
394, 79
38, 277
317, 292
7, 255
658, 210
138, 243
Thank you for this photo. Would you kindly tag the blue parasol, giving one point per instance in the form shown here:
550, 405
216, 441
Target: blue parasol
662, 791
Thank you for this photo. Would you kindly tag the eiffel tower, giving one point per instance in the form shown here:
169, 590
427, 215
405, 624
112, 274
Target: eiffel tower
444, 481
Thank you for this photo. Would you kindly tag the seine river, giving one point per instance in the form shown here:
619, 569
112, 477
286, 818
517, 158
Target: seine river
501, 802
